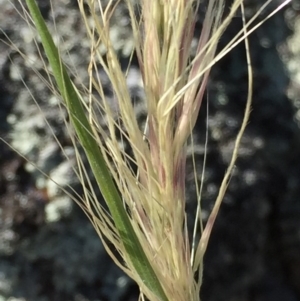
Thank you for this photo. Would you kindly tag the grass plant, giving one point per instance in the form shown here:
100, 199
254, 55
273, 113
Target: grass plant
145, 191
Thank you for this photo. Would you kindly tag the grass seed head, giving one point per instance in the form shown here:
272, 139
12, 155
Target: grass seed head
151, 180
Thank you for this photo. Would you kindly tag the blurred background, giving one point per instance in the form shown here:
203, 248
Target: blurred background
49, 251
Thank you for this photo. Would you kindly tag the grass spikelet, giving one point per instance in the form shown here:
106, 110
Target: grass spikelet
154, 194
145, 191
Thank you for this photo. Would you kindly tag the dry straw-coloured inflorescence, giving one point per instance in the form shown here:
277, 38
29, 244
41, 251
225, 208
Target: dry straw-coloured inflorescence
152, 180
174, 87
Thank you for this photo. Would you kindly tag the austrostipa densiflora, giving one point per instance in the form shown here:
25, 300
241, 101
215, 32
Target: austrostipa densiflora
145, 191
